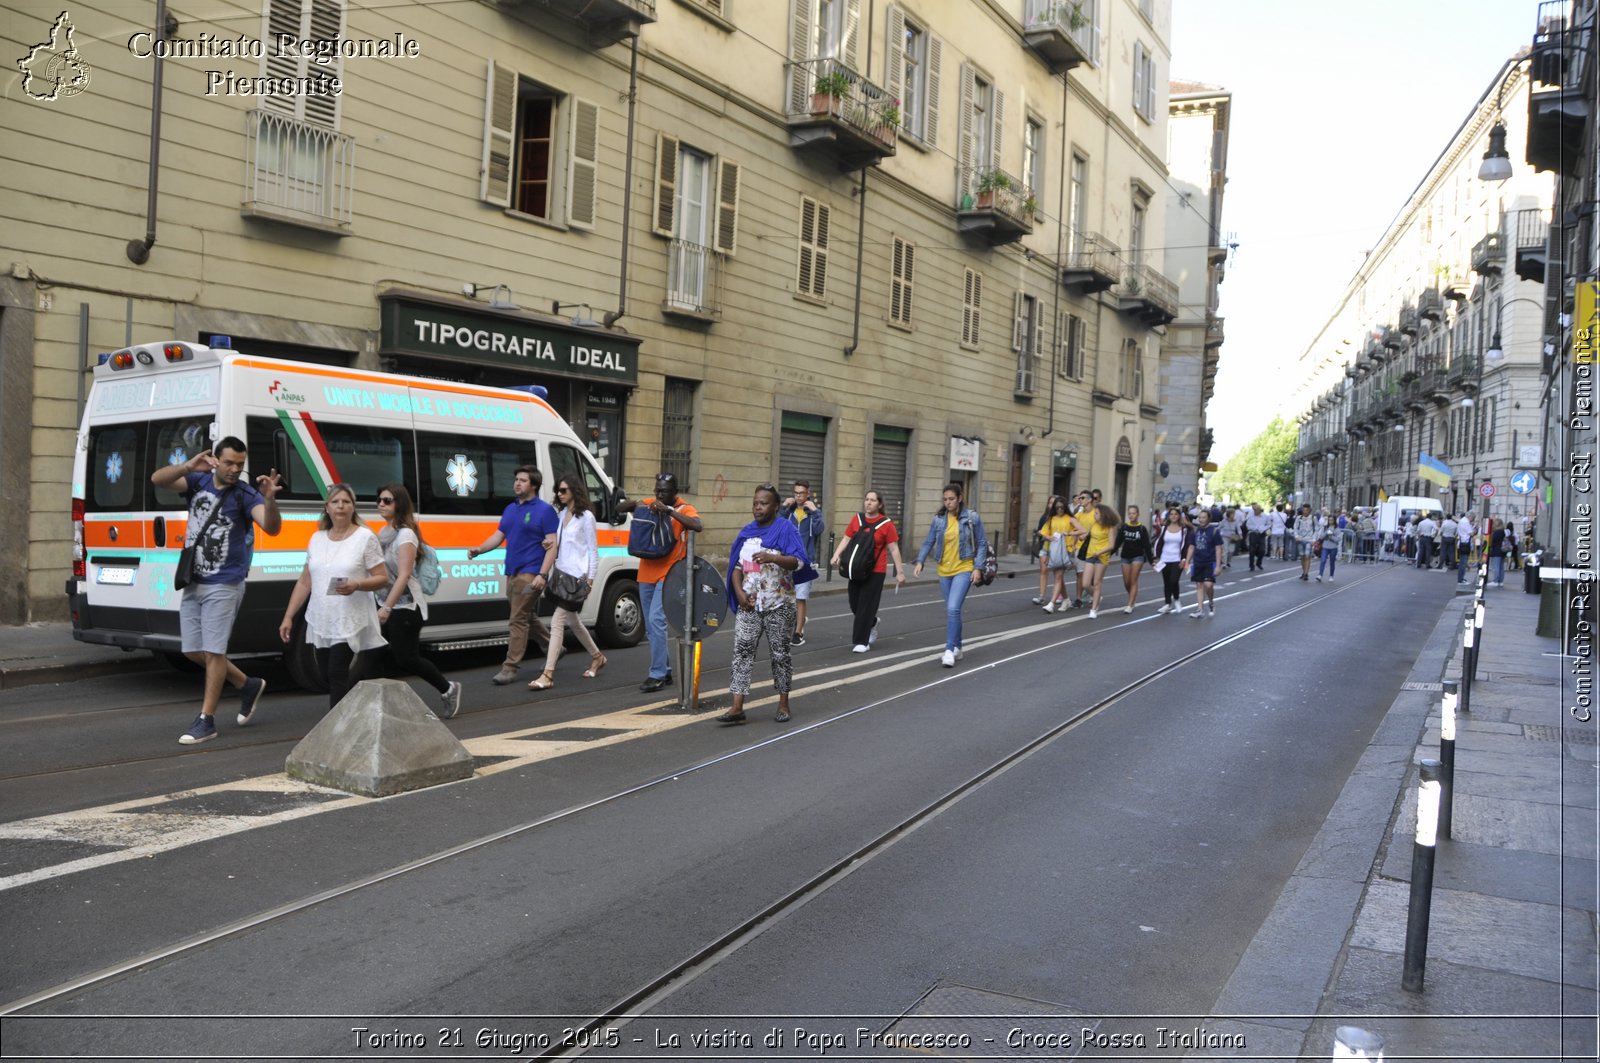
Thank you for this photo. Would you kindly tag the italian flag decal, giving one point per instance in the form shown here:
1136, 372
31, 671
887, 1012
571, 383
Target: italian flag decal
307, 439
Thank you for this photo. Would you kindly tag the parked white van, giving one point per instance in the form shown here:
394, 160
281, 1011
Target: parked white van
455, 446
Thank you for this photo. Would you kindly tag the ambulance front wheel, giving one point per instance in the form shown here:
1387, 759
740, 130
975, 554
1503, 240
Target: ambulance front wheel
300, 659
620, 621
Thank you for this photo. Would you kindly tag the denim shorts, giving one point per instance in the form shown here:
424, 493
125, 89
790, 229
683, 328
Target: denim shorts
206, 614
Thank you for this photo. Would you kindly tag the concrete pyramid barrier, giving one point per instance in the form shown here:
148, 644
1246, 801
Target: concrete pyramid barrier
379, 740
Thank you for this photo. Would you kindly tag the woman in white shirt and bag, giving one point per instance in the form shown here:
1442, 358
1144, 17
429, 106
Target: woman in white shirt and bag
402, 607
569, 571
343, 560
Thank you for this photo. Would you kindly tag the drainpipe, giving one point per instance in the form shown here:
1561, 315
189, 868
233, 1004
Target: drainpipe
613, 316
861, 219
139, 250
1061, 247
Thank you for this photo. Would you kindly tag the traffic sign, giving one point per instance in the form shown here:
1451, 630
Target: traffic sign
1524, 482
1486, 489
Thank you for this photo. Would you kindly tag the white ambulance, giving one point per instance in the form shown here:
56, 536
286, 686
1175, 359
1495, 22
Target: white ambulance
455, 446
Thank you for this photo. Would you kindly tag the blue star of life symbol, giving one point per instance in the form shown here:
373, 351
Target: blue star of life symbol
114, 468
461, 475
177, 457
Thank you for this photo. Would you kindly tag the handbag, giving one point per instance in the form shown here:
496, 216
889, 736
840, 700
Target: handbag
567, 590
1060, 556
183, 573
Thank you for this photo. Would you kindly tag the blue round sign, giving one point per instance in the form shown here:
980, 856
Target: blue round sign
1524, 482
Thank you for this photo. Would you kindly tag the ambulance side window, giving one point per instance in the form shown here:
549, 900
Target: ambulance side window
565, 461
468, 475
364, 456
115, 469
173, 443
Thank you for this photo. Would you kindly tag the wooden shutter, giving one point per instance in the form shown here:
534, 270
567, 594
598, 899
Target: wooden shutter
972, 308
1138, 76
325, 22
812, 276
801, 76
499, 122
930, 106
895, 54
281, 17
1018, 325
727, 238
852, 23
967, 105
997, 136
583, 164
666, 184
900, 284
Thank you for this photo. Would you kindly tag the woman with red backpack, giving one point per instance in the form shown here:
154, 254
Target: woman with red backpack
870, 552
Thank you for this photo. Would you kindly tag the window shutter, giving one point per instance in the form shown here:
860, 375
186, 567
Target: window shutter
930, 106
997, 134
895, 48
802, 78
966, 103
584, 165
499, 119
281, 17
1038, 330
1017, 324
812, 276
727, 206
666, 183
1138, 76
326, 23
852, 22
900, 285
972, 309
1063, 344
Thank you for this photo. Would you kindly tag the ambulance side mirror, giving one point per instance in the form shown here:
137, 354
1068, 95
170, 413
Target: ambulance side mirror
619, 506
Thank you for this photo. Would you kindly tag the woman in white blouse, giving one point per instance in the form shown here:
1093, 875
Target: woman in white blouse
577, 553
343, 560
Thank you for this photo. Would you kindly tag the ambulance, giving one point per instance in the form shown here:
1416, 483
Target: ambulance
456, 447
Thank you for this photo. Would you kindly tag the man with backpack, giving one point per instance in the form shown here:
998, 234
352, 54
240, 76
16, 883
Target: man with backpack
675, 516
806, 514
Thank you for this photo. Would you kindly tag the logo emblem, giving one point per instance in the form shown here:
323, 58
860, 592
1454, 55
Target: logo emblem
461, 475
54, 69
177, 457
114, 468
284, 396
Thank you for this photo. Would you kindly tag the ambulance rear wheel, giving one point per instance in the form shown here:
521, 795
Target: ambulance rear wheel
300, 660
620, 621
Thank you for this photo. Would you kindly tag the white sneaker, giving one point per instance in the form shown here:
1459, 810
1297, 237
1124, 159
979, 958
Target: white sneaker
1127, 609
949, 659
1197, 614
1049, 607
1093, 613
1211, 610
860, 647
872, 636
960, 653
1038, 600
1165, 608
1330, 577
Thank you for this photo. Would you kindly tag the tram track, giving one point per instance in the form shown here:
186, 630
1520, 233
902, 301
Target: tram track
707, 956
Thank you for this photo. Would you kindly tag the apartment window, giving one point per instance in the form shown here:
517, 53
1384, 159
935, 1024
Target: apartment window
811, 271
1130, 372
982, 128
1077, 202
717, 8
697, 209
1137, 216
1027, 340
677, 430
540, 150
301, 20
915, 61
971, 309
900, 283
1144, 82
1069, 334
1033, 154
831, 27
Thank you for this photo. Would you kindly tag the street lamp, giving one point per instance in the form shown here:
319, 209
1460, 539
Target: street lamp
1496, 162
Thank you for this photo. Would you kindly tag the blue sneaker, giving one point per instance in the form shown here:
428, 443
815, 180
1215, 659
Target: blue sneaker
249, 694
203, 729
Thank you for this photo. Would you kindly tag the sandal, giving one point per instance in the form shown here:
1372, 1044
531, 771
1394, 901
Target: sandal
544, 682
595, 665
781, 717
731, 717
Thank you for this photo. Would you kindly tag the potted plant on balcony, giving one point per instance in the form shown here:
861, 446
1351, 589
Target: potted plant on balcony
830, 86
990, 182
1030, 206
891, 115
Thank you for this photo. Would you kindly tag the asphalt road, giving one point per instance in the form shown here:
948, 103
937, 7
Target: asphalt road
1083, 818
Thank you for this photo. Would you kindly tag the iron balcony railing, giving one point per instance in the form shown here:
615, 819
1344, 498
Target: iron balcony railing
985, 189
297, 172
1145, 284
1027, 374
826, 88
694, 279
1071, 19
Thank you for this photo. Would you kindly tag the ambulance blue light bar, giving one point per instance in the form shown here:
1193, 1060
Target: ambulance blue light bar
538, 391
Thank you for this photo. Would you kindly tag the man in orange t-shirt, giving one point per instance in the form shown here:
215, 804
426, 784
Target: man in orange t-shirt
653, 573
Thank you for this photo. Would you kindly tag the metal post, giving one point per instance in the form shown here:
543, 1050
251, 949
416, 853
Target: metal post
1466, 663
1447, 754
832, 545
1477, 636
1422, 853
1352, 1042
688, 686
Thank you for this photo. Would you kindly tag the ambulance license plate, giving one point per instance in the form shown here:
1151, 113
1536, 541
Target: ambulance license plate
122, 577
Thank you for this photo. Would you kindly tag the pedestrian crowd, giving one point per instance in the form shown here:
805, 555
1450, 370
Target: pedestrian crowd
361, 593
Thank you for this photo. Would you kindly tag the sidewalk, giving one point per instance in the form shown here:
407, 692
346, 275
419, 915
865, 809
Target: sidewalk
1511, 957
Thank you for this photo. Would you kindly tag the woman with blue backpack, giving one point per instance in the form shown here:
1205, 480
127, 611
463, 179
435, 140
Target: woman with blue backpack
403, 605
957, 540
870, 540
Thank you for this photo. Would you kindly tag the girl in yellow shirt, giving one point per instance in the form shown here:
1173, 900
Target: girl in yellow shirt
1098, 523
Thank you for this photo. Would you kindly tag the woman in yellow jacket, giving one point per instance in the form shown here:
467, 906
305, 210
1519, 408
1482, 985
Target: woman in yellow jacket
1098, 525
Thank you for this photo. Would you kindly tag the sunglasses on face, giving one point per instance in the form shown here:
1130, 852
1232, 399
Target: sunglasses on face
385, 501
563, 491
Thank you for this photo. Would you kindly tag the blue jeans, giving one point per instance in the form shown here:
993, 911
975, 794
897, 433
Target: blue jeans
655, 628
1329, 560
1497, 569
954, 589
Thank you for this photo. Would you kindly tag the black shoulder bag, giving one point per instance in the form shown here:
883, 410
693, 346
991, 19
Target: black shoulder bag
183, 575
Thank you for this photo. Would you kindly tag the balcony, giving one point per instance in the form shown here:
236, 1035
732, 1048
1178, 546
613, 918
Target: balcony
1391, 338
1531, 235
1430, 306
1438, 382
1455, 286
694, 282
298, 173
607, 21
1060, 32
1489, 255
1410, 323
1463, 373
1093, 266
995, 206
1027, 376
1557, 115
1214, 331
835, 110
1148, 296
